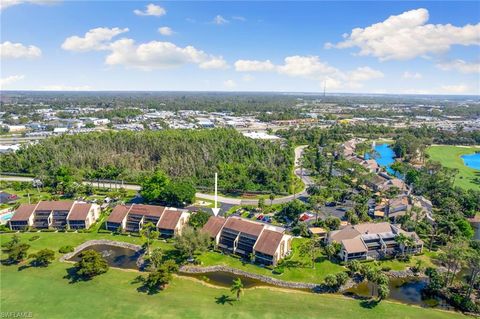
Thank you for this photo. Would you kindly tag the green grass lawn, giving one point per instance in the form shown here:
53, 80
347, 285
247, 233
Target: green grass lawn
449, 156
47, 294
295, 272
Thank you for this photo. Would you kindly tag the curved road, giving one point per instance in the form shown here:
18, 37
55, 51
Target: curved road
222, 199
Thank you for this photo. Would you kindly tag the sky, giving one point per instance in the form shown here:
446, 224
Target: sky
396, 47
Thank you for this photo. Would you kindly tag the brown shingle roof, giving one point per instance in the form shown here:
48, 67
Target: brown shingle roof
244, 226
23, 212
54, 205
214, 225
268, 242
118, 214
354, 245
79, 211
147, 210
169, 219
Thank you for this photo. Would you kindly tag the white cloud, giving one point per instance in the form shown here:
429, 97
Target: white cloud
239, 18
167, 31
151, 10
219, 20
10, 3
61, 87
411, 75
94, 39
407, 36
229, 84
306, 66
145, 56
460, 66
253, 65
159, 55
364, 74
10, 79
9, 50
214, 63
311, 67
455, 89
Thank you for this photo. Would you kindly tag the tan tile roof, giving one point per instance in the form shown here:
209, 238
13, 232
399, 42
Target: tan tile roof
244, 226
169, 219
54, 205
23, 212
118, 214
268, 242
79, 211
214, 225
373, 228
346, 233
317, 230
354, 245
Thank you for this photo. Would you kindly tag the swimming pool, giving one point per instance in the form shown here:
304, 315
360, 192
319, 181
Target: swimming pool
6, 217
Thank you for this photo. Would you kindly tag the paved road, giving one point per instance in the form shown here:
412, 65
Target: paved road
222, 199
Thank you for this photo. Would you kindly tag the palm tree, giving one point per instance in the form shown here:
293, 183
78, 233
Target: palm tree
149, 232
237, 287
272, 197
404, 242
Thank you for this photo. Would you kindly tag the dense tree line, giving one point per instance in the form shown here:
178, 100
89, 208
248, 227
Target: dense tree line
242, 163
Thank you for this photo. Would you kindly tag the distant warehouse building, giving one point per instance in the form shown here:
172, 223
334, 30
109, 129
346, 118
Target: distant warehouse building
168, 220
55, 215
266, 244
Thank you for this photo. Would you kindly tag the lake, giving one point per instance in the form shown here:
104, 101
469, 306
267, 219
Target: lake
472, 160
404, 290
119, 257
385, 157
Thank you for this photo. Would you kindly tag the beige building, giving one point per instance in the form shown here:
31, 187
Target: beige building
168, 220
55, 215
266, 244
373, 241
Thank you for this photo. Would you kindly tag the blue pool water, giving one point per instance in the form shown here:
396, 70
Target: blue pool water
472, 160
6, 217
385, 157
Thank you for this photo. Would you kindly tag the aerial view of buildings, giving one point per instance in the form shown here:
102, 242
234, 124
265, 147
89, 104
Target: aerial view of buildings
248, 159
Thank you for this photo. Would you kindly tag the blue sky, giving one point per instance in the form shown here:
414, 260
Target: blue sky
370, 47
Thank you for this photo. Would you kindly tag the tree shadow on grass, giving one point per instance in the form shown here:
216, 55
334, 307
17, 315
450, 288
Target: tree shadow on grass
73, 277
369, 304
143, 288
224, 299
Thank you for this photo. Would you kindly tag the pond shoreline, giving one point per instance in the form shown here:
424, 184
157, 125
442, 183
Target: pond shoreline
136, 248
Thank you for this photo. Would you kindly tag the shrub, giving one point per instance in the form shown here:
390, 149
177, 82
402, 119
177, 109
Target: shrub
386, 268
278, 270
66, 249
33, 238
342, 278
331, 280
463, 303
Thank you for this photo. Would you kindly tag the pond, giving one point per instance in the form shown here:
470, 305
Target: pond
404, 290
119, 257
225, 279
472, 160
385, 156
